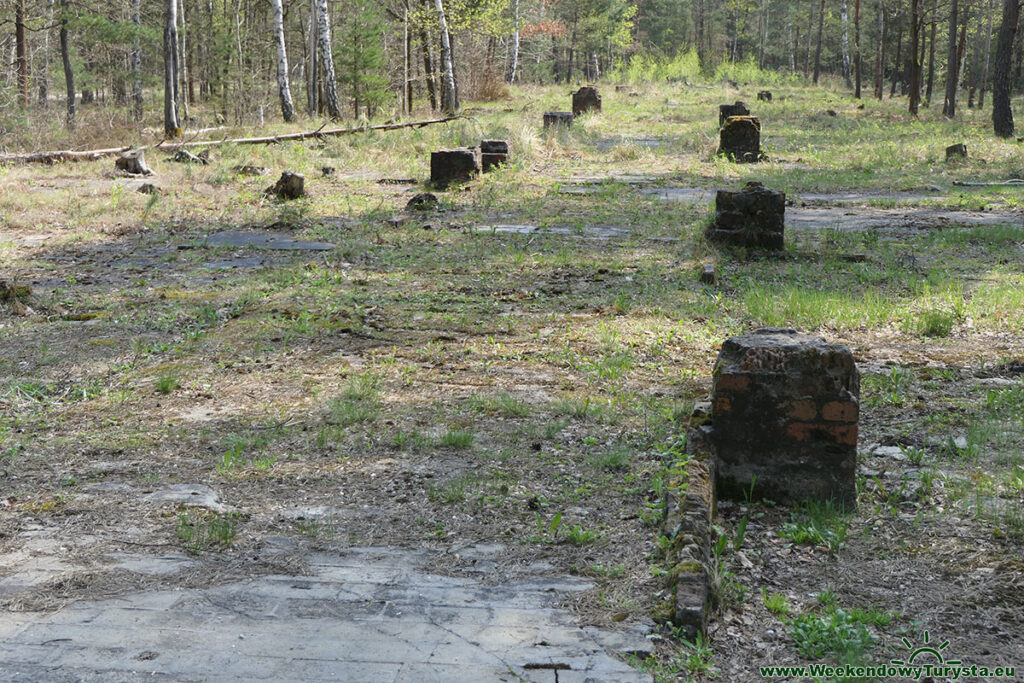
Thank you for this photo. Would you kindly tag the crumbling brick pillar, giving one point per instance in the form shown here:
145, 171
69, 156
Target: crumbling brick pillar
727, 110
784, 418
585, 100
752, 217
740, 139
454, 165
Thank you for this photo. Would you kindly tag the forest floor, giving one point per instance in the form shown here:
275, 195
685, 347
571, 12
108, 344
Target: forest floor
516, 367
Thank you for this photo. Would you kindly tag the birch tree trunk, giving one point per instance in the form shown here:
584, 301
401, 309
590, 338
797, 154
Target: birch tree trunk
181, 89
137, 62
44, 75
844, 18
931, 55
69, 75
327, 60
449, 103
1002, 114
514, 64
287, 108
883, 29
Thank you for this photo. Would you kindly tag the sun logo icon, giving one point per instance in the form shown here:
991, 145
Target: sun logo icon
925, 649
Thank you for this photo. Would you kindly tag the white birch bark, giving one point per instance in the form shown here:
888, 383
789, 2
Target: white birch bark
287, 108
449, 105
327, 60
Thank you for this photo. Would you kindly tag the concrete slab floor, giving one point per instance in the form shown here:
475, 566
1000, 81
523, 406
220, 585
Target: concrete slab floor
363, 614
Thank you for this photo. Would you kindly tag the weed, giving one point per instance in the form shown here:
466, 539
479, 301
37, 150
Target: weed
817, 523
202, 529
617, 459
776, 603
578, 536
167, 382
459, 439
838, 634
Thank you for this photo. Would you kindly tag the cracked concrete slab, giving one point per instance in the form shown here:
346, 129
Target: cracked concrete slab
363, 614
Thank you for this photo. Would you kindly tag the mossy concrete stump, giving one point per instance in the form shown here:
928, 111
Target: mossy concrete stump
956, 152
740, 139
752, 217
739, 108
586, 100
784, 418
557, 118
455, 165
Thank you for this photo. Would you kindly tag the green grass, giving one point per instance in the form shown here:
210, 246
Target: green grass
204, 530
817, 523
459, 439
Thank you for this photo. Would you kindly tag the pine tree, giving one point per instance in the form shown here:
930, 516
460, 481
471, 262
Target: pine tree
360, 56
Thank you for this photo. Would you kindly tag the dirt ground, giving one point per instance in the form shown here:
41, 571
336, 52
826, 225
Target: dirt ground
437, 382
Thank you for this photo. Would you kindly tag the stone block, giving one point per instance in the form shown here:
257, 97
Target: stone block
455, 165
764, 96
708, 275
557, 118
493, 153
791, 426
728, 110
751, 217
740, 139
586, 100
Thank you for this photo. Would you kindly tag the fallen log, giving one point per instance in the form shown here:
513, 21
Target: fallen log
58, 156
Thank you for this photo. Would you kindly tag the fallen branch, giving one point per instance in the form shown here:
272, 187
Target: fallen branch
1012, 181
58, 156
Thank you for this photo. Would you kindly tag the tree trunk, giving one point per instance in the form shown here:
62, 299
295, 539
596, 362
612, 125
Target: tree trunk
789, 39
844, 17
21, 50
287, 108
172, 127
931, 55
180, 88
137, 62
514, 64
987, 57
915, 62
1002, 114
327, 60
949, 104
428, 63
856, 48
883, 31
449, 104
69, 75
44, 72
899, 53
817, 50
961, 56
313, 71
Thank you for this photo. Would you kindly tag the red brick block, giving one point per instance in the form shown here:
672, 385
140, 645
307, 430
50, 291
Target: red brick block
840, 411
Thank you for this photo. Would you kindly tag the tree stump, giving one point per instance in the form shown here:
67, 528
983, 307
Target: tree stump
557, 118
957, 151
764, 96
727, 110
785, 408
740, 139
133, 163
288, 186
493, 153
586, 100
455, 165
184, 156
752, 217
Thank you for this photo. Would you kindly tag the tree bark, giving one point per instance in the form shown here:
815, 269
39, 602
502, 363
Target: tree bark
949, 104
172, 126
1002, 114
428, 62
844, 15
987, 57
899, 53
287, 108
181, 88
137, 62
449, 102
21, 50
65, 56
856, 48
883, 30
514, 63
327, 60
915, 62
931, 54
313, 75
44, 75
817, 50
